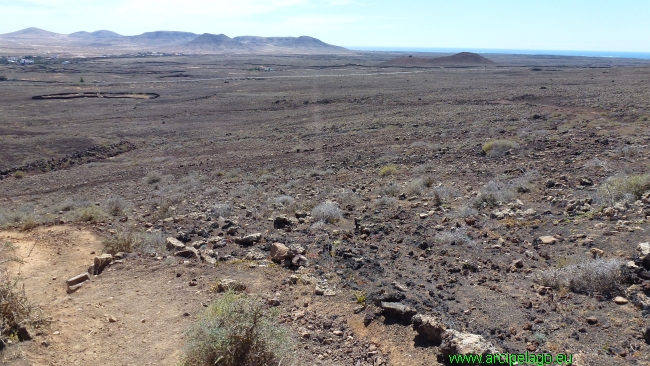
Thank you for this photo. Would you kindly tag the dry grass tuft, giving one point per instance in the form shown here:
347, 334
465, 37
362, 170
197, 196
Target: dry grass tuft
238, 330
597, 276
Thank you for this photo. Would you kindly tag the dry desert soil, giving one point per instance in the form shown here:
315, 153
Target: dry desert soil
505, 200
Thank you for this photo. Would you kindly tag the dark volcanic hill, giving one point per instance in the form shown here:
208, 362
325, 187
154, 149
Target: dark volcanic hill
169, 41
459, 59
163, 38
213, 42
100, 34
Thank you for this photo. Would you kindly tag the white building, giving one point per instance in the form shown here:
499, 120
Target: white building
26, 61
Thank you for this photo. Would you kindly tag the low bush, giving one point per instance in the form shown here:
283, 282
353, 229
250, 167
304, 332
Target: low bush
123, 241
596, 276
19, 174
630, 187
391, 189
414, 187
495, 193
92, 214
388, 170
221, 210
153, 177
115, 206
327, 212
3, 78
498, 147
238, 330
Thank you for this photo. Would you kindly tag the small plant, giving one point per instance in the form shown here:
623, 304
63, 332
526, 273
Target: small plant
92, 214
221, 210
123, 241
19, 174
81, 80
237, 330
618, 187
3, 78
327, 212
391, 189
498, 147
360, 297
597, 276
284, 200
115, 206
15, 309
414, 187
495, 193
388, 170
153, 177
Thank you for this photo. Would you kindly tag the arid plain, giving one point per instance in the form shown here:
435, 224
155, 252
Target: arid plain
506, 200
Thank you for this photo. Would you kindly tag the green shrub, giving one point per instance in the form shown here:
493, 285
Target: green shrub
123, 241
498, 147
388, 170
19, 174
237, 330
92, 214
618, 187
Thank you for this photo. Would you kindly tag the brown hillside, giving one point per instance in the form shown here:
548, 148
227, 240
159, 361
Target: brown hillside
459, 59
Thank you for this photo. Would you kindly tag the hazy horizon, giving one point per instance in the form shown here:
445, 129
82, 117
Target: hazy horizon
579, 25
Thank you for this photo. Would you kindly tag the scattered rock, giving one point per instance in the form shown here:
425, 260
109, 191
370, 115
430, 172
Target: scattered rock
249, 239
646, 335
188, 252
111, 319
174, 244
398, 310
547, 239
592, 320
620, 300
429, 327
597, 253
230, 284
23, 334
74, 283
455, 342
279, 252
300, 261
101, 262
282, 221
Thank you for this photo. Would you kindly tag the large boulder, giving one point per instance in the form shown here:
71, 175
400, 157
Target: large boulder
458, 343
429, 327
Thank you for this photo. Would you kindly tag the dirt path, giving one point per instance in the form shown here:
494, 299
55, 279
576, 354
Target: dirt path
148, 302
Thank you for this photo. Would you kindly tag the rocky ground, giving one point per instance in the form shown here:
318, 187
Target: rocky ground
389, 213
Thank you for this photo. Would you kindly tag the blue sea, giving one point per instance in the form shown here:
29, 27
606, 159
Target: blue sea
638, 55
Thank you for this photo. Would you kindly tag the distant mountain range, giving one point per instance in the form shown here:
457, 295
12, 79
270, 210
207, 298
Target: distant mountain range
170, 41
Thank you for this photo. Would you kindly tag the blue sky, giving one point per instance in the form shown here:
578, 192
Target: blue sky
596, 25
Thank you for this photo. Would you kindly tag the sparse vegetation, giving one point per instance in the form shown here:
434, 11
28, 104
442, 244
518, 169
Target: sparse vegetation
92, 214
597, 276
115, 206
237, 330
495, 193
16, 310
388, 170
498, 147
153, 177
327, 212
19, 174
630, 187
221, 210
3, 78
